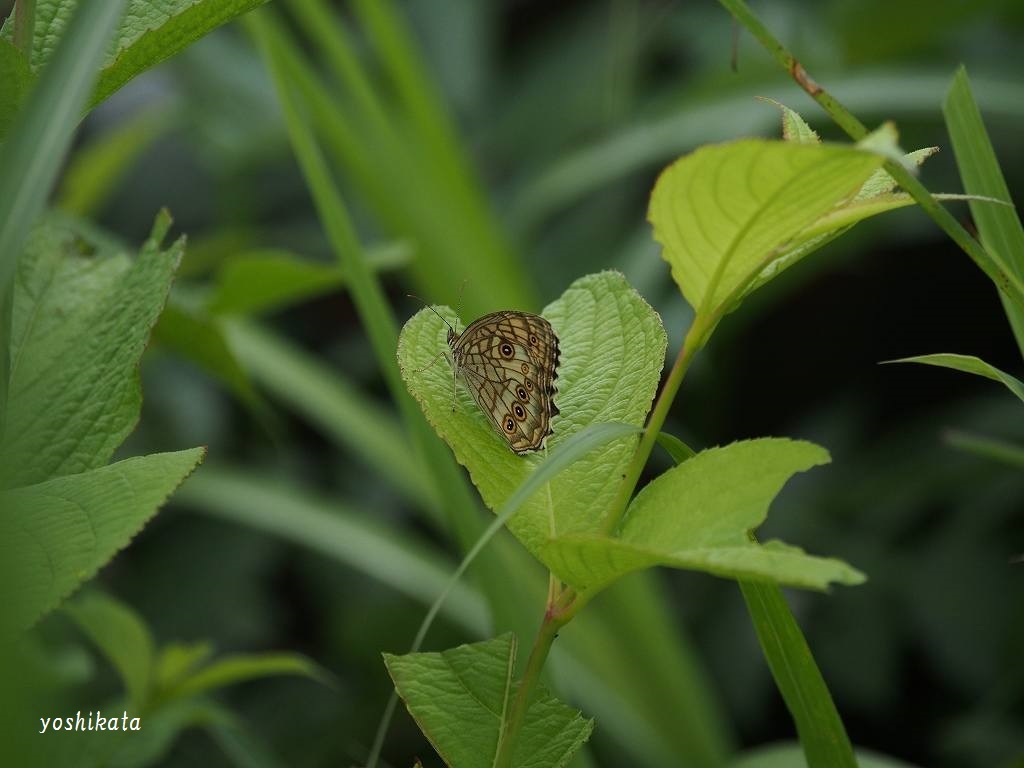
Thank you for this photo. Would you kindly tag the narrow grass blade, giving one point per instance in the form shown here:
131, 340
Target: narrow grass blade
798, 678
999, 226
39, 139
988, 447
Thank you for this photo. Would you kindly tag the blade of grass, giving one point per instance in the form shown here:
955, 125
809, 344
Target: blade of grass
798, 678
991, 448
465, 205
354, 421
463, 512
290, 512
31, 156
998, 226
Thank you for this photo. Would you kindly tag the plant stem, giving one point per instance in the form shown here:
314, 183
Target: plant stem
694, 340
1007, 283
553, 621
24, 26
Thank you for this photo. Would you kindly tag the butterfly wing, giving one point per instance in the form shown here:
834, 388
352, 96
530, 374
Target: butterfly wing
509, 361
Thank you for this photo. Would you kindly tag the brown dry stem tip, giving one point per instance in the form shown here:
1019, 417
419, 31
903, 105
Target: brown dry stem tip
804, 80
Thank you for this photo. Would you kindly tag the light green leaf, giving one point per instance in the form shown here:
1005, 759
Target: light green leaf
123, 638
698, 515
881, 183
56, 534
15, 80
998, 226
612, 350
81, 322
725, 212
461, 697
968, 364
677, 449
794, 127
242, 667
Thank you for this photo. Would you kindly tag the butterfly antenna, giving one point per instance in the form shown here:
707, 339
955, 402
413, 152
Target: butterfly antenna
414, 296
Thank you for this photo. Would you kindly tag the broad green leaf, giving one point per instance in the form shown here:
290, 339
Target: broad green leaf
15, 80
196, 337
31, 156
968, 364
461, 697
56, 534
822, 734
612, 350
81, 322
698, 515
999, 227
725, 212
572, 450
988, 447
95, 170
149, 32
242, 667
122, 636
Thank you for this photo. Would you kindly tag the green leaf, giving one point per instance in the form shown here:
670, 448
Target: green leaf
999, 227
56, 534
698, 516
677, 449
241, 667
146, 34
794, 127
461, 697
15, 81
724, 212
176, 661
967, 364
81, 321
988, 447
612, 350
821, 731
32, 154
123, 638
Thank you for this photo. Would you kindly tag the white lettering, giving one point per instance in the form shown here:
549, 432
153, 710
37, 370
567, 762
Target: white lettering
45, 722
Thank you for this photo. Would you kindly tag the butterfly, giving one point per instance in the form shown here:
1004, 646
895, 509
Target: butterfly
509, 362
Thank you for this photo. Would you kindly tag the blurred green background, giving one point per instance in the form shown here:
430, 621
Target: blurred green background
565, 113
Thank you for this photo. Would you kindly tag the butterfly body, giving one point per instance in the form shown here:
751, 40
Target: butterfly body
509, 362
